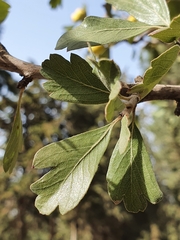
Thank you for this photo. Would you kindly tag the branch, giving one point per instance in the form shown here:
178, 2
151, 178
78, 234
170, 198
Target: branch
29, 71
159, 92
163, 92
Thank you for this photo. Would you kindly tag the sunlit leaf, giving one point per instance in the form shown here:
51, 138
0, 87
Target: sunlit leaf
14, 145
4, 10
154, 12
124, 135
130, 176
169, 34
73, 163
73, 81
98, 30
114, 103
159, 67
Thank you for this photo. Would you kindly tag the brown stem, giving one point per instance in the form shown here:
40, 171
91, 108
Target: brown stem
159, 92
12, 64
163, 92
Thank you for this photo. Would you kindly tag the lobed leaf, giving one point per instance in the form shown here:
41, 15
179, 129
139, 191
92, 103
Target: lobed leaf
159, 67
154, 12
96, 30
73, 163
130, 176
73, 81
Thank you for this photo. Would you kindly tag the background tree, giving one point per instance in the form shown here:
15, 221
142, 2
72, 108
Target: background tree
46, 120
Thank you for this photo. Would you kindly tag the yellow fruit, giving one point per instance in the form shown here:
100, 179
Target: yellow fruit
131, 19
78, 15
98, 50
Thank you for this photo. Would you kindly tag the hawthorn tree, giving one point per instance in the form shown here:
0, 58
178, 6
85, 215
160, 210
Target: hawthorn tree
73, 162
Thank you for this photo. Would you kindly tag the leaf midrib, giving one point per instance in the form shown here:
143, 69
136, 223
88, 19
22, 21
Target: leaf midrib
90, 150
80, 83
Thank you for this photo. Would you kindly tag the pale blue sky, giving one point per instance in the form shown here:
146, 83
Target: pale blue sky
32, 29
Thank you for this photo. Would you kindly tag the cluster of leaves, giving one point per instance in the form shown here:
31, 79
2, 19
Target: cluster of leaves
74, 161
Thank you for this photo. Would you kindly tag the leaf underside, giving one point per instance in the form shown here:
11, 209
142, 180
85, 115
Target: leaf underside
73, 163
154, 12
124, 135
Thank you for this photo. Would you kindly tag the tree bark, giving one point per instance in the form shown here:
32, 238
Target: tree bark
27, 70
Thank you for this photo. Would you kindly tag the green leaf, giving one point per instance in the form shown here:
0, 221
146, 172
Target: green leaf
130, 176
159, 67
169, 34
74, 162
14, 145
154, 12
73, 81
55, 3
98, 30
114, 103
109, 72
125, 135
174, 8
4, 10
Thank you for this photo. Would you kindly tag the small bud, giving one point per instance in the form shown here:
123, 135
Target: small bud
131, 19
98, 50
78, 15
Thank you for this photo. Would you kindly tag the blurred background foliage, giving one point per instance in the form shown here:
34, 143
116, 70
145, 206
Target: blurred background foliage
96, 217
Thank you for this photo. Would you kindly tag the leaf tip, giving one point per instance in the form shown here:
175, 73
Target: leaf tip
158, 199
